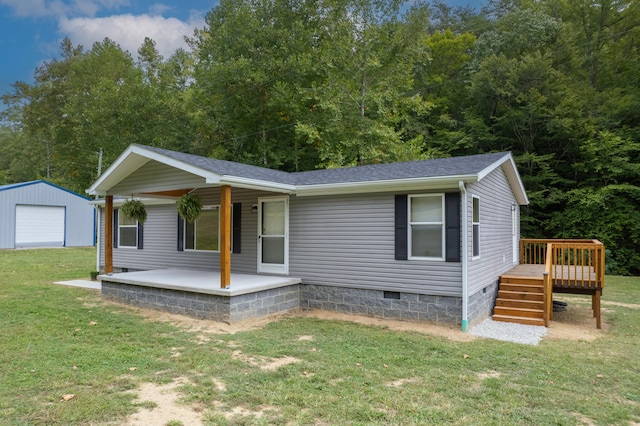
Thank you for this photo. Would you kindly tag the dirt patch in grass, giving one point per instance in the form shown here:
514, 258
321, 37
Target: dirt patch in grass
489, 375
576, 323
265, 363
239, 411
401, 382
623, 305
305, 338
584, 420
165, 407
446, 331
207, 327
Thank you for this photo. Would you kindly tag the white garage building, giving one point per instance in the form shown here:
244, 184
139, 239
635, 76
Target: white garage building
41, 214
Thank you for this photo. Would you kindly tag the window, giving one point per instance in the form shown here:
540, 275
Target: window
426, 226
204, 233
127, 231
476, 226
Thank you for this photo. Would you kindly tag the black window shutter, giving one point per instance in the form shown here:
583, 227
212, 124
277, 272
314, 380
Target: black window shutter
237, 226
452, 226
180, 234
115, 228
401, 227
140, 236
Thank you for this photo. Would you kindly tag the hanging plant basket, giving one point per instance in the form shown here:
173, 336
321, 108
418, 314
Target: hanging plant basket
134, 209
189, 207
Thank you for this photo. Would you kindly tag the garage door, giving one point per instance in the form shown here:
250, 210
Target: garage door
39, 226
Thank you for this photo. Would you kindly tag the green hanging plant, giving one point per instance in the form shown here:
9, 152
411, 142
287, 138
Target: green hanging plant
134, 209
189, 207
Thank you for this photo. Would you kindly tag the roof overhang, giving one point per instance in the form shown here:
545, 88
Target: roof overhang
425, 183
136, 156
510, 170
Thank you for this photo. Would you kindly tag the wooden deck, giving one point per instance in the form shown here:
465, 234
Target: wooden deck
528, 271
547, 267
565, 277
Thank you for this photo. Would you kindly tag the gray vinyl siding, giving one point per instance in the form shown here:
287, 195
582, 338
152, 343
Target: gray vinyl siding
161, 233
496, 200
154, 176
348, 241
345, 241
79, 214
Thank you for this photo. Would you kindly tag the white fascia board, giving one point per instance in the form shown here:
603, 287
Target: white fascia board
511, 171
135, 157
260, 185
414, 184
146, 201
118, 170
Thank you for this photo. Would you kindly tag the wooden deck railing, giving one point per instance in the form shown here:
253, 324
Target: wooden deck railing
573, 263
575, 266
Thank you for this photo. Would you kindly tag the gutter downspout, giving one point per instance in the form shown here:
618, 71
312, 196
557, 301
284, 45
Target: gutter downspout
464, 258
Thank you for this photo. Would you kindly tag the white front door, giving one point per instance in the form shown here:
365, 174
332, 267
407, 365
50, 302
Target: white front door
273, 235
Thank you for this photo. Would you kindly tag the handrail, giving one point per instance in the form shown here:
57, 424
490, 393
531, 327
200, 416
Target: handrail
576, 264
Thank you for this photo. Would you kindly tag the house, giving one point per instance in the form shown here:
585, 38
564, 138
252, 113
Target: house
422, 240
41, 214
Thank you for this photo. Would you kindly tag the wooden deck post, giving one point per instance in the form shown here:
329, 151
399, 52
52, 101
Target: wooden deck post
108, 234
596, 307
225, 236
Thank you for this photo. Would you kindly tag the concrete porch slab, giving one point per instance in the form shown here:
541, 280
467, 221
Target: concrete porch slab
197, 281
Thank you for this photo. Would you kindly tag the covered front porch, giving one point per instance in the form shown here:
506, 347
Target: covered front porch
194, 293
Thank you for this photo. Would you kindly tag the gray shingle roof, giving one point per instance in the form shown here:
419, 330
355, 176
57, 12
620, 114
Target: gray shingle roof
224, 167
440, 167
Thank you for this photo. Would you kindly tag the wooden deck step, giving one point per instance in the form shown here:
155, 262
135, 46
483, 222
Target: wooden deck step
522, 288
510, 279
520, 303
518, 295
521, 312
518, 320
520, 299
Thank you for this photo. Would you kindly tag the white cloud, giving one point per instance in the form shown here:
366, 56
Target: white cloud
158, 9
129, 31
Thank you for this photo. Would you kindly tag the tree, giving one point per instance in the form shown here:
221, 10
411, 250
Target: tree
366, 95
255, 58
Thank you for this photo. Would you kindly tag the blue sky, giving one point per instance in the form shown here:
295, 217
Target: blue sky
31, 30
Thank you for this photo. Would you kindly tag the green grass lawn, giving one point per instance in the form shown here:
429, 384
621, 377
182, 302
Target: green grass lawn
58, 341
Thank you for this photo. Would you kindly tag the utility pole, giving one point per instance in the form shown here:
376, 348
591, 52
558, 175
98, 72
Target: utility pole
100, 163
99, 166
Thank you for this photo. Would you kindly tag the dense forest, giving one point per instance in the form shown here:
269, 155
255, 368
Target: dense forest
305, 84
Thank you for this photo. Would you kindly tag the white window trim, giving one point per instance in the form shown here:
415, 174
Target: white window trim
126, 226
473, 224
441, 223
184, 236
